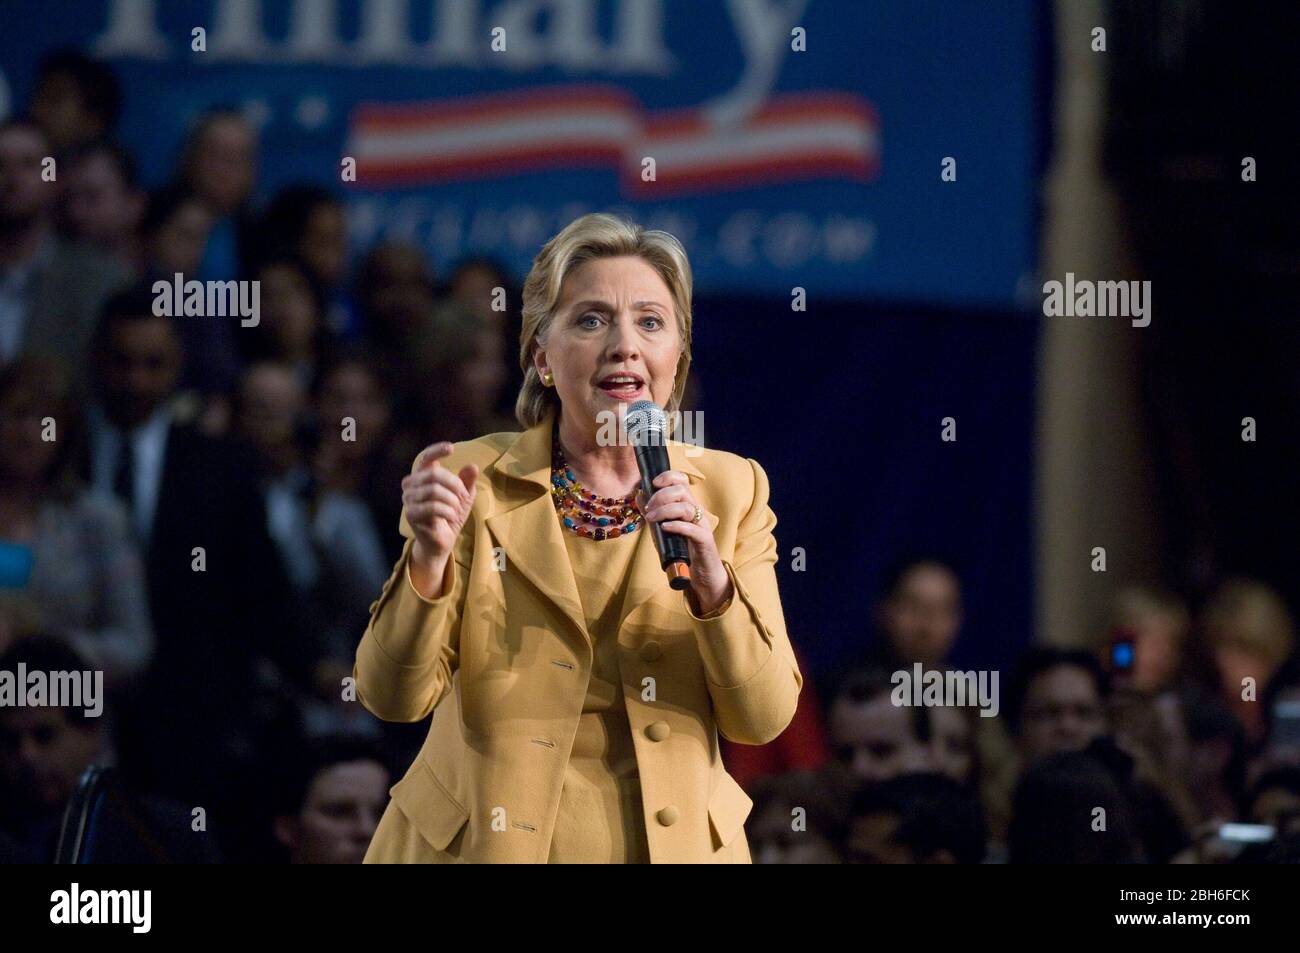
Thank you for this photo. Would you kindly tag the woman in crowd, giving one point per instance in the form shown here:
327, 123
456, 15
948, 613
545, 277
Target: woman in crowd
66, 550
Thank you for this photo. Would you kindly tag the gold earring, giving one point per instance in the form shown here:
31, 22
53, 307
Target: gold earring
547, 379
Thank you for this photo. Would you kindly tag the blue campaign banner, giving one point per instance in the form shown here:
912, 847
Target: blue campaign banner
787, 142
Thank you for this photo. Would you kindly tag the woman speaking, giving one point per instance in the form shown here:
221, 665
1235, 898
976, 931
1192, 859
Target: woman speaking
576, 697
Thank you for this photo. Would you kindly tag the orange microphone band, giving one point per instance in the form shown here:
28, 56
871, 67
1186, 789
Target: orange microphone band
679, 575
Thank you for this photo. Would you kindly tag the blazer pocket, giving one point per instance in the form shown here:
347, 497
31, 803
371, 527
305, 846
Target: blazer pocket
729, 805
430, 808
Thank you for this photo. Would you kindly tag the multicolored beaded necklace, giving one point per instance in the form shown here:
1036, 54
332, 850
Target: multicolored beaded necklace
586, 514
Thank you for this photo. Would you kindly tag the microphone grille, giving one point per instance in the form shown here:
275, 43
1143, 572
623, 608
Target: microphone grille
646, 419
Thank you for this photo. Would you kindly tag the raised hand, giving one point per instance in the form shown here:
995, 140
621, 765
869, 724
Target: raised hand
436, 503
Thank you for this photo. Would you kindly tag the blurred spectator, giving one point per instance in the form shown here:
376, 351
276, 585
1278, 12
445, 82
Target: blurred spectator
326, 539
292, 329
395, 292
1152, 730
916, 819
1175, 755
795, 820
953, 749
330, 802
86, 578
45, 749
50, 289
1056, 702
361, 459
217, 591
77, 100
1275, 800
473, 284
1158, 623
307, 222
219, 164
1070, 808
919, 615
1216, 774
1281, 704
1163, 833
462, 376
1248, 635
103, 203
174, 233
270, 416
872, 739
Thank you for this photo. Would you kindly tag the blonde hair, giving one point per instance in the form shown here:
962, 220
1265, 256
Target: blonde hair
1252, 616
1136, 604
585, 239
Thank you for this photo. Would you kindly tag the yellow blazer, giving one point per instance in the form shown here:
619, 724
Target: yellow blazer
503, 658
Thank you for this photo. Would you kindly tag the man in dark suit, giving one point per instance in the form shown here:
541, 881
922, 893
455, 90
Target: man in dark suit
218, 593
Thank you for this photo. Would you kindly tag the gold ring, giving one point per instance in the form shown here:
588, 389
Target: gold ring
699, 515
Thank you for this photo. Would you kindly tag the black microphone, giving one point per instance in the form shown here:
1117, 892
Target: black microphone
647, 428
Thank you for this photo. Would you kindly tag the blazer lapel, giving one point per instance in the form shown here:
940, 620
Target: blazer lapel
530, 534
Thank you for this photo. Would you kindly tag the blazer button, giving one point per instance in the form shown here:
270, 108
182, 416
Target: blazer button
650, 651
667, 816
658, 731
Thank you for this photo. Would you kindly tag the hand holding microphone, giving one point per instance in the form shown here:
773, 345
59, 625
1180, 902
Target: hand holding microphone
682, 535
